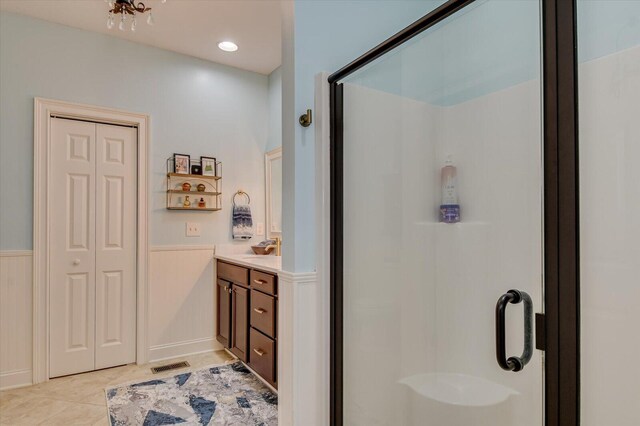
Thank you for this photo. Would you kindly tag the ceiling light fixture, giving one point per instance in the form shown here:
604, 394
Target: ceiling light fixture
124, 8
228, 46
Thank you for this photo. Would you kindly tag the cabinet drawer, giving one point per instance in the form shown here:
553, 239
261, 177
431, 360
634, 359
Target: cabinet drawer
262, 357
233, 273
263, 312
263, 282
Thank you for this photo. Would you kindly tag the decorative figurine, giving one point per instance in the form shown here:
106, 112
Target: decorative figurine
201, 187
202, 204
186, 186
186, 203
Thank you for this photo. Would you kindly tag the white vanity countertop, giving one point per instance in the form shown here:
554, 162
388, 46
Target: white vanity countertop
267, 263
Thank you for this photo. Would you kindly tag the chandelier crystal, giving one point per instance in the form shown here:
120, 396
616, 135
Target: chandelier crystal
124, 8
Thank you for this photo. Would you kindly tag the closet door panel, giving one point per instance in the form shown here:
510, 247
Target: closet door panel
72, 247
116, 207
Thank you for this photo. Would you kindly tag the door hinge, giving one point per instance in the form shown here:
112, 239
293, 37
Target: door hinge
541, 332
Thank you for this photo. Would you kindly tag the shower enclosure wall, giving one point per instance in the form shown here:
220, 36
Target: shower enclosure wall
415, 332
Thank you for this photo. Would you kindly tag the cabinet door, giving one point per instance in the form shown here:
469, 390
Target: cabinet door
240, 322
223, 316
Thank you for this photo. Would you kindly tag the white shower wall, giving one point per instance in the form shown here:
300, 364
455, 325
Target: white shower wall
609, 117
420, 295
386, 198
496, 143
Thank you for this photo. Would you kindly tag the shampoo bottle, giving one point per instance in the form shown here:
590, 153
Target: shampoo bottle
449, 207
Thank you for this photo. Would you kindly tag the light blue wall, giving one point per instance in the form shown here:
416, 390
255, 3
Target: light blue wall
275, 110
328, 34
196, 107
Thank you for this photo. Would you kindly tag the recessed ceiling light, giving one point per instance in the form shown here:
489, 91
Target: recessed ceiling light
228, 46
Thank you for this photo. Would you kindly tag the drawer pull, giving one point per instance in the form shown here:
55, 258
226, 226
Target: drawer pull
259, 281
259, 352
259, 310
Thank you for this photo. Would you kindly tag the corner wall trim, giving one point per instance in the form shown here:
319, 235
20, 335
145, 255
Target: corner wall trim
43, 110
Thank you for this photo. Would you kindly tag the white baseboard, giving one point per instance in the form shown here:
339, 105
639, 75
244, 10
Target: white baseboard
15, 379
178, 349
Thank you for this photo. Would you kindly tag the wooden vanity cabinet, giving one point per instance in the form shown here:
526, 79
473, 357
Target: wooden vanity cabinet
246, 317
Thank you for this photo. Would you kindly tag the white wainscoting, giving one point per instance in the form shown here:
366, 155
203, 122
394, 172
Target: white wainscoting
300, 350
181, 308
16, 271
181, 301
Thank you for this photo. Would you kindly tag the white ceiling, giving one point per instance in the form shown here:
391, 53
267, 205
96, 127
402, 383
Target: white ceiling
191, 27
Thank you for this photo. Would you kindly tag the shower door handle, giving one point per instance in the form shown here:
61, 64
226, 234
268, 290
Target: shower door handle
513, 363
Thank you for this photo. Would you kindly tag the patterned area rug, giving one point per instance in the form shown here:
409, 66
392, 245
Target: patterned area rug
224, 395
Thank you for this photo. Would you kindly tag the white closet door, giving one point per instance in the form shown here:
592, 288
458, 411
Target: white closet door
72, 247
116, 206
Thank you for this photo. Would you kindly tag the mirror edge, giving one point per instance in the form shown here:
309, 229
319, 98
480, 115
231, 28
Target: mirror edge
270, 156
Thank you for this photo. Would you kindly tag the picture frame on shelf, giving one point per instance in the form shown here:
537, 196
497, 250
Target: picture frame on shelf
196, 169
208, 165
181, 163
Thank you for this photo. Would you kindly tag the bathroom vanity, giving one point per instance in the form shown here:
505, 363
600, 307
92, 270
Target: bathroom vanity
247, 289
247, 310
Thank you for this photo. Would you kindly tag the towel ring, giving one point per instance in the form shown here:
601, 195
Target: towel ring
241, 193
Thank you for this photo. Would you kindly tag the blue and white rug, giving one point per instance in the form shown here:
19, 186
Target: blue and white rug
224, 395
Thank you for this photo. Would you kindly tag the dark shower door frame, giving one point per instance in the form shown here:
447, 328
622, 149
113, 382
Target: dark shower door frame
558, 332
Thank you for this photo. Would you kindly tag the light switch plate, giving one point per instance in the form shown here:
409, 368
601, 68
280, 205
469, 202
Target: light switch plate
193, 229
260, 228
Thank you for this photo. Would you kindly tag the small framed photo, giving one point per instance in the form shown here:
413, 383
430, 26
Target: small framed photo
208, 165
181, 163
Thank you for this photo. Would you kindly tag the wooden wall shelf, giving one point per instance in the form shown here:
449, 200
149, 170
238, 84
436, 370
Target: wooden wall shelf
180, 191
184, 176
211, 195
201, 209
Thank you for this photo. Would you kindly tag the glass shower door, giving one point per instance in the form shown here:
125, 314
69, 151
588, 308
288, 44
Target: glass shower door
442, 217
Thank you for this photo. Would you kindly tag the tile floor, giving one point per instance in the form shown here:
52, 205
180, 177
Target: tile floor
80, 399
